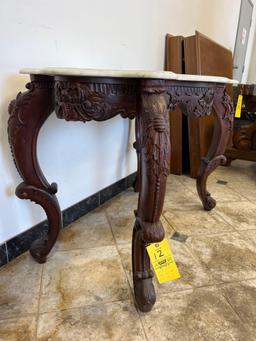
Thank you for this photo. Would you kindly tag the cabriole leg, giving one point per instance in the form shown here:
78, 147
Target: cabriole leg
153, 127
137, 146
28, 112
223, 113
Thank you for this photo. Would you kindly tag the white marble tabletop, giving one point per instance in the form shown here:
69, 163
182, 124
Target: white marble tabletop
58, 71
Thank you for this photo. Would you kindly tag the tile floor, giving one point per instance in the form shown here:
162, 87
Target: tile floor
84, 291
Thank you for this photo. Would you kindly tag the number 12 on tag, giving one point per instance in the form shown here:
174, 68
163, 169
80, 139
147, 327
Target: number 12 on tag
163, 262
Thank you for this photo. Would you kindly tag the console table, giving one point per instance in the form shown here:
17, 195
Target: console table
85, 95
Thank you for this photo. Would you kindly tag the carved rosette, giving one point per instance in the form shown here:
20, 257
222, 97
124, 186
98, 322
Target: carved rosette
80, 101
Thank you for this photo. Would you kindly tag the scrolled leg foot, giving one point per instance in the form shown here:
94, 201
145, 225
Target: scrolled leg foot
137, 147
28, 112
209, 202
206, 168
223, 113
40, 248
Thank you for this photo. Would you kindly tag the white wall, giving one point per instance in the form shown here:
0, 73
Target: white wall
219, 19
83, 159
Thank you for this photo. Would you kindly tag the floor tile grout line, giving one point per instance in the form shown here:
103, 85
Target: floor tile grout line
15, 317
233, 309
205, 234
82, 248
225, 219
186, 185
215, 212
142, 324
248, 242
118, 251
202, 234
206, 267
239, 193
217, 285
39, 301
131, 291
223, 283
215, 177
169, 223
95, 304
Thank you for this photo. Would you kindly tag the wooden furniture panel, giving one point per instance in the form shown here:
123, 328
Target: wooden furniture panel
174, 62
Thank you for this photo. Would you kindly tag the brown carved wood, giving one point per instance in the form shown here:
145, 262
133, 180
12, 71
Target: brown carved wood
204, 56
243, 144
28, 112
199, 55
84, 99
174, 62
223, 113
153, 127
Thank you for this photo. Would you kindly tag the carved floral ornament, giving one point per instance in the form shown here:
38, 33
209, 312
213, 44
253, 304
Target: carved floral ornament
192, 101
94, 101
100, 101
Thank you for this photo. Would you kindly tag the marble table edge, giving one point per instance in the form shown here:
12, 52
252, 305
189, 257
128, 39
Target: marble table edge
58, 71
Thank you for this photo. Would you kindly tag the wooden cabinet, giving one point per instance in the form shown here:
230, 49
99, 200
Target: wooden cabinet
198, 55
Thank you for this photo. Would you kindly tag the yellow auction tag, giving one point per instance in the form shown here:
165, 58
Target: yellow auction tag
162, 260
239, 106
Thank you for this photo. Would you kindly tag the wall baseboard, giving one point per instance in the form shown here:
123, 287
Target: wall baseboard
21, 243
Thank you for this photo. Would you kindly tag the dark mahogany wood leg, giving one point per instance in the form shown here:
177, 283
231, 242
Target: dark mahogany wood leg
223, 113
153, 127
28, 112
137, 146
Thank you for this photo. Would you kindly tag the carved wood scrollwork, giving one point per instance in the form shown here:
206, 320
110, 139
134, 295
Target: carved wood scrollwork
16, 121
80, 101
223, 113
23, 123
222, 97
193, 101
28, 112
245, 137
